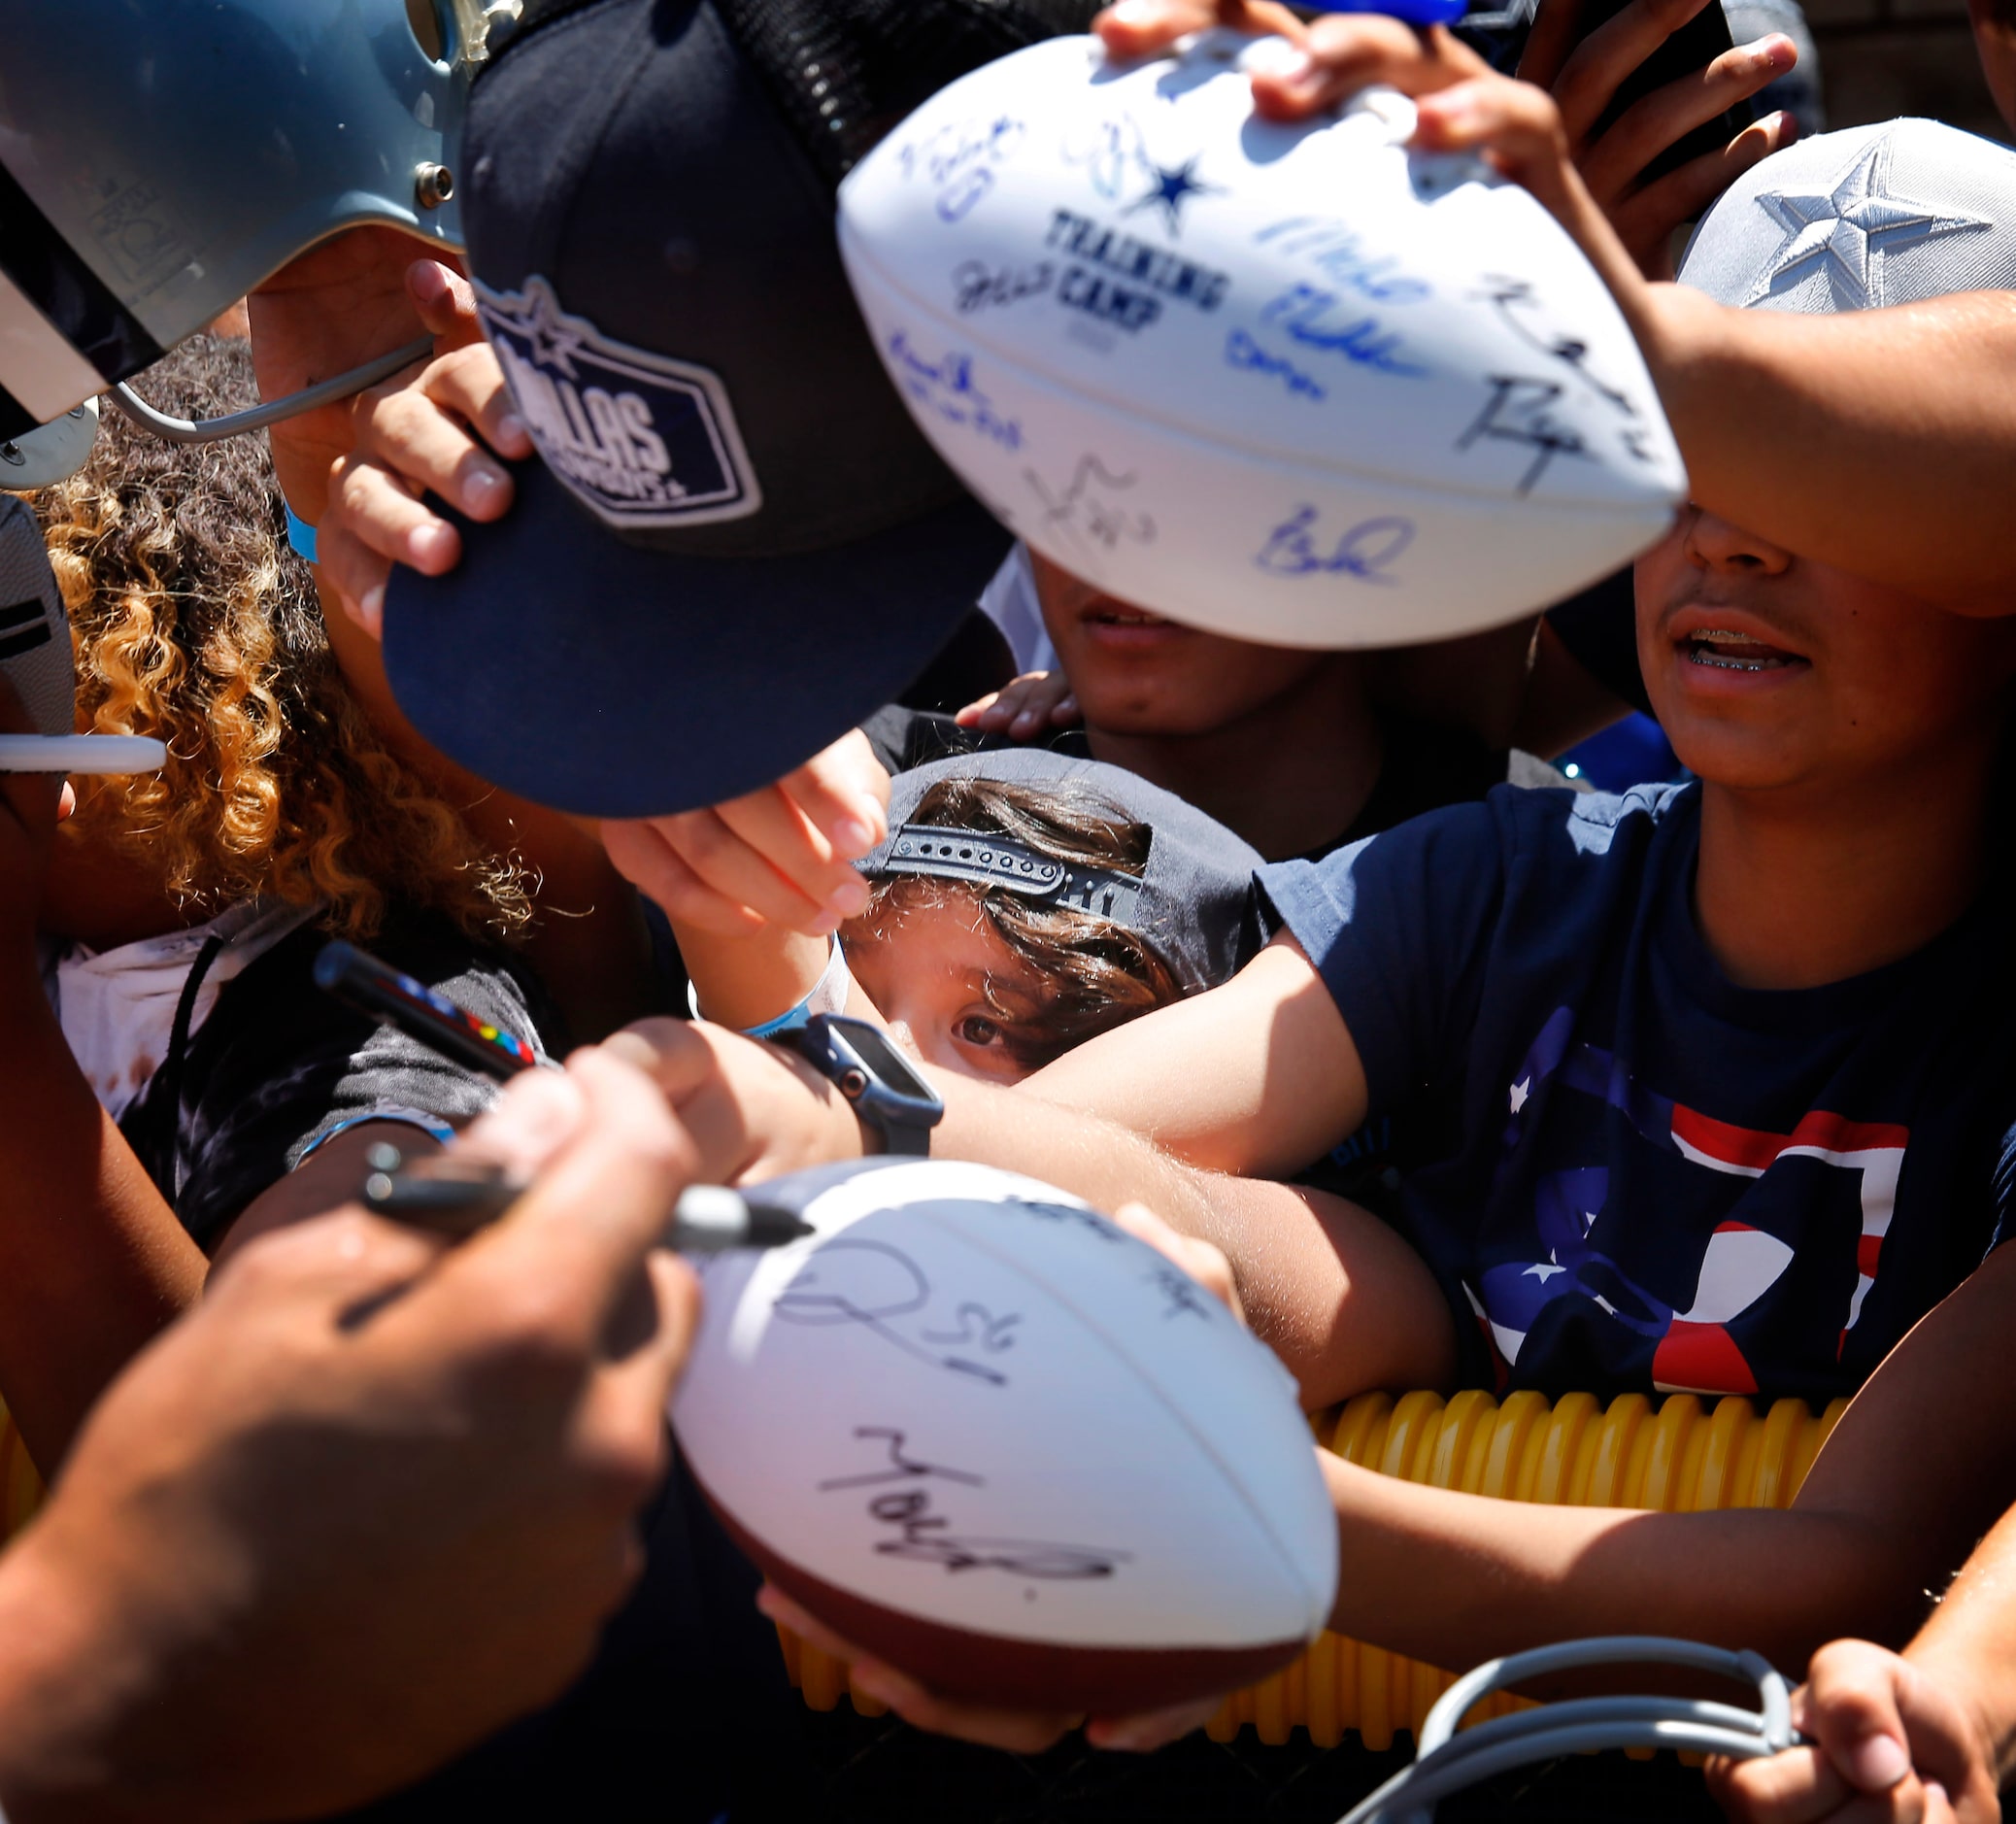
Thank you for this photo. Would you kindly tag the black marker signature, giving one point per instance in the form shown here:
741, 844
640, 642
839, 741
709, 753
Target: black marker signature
1081, 507
872, 1284
1517, 413
1515, 301
977, 1325
1091, 1222
924, 1537
1186, 1297
975, 285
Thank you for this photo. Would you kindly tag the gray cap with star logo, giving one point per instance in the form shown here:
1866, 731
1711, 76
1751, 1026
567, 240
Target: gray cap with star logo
1862, 219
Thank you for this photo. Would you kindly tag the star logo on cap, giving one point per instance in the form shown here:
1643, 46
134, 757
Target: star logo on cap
1859, 218
552, 343
1170, 188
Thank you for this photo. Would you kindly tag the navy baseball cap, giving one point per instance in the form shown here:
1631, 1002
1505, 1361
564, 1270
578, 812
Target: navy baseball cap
733, 543
1193, 902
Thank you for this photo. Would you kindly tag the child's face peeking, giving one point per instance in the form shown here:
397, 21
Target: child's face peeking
1135, 673
1768, 670
951, 991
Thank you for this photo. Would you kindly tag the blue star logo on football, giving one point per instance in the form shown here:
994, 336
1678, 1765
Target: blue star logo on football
1170, 188
1848, 228
640, 439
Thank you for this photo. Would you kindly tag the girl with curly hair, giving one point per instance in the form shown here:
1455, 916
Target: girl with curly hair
177, 915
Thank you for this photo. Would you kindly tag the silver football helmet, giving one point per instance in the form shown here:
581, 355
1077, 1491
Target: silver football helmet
158, 161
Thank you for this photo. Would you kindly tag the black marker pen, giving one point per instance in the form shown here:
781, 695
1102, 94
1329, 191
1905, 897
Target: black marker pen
707, 1219
392, 998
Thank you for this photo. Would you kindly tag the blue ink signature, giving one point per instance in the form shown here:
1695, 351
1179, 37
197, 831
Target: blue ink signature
1110, 150
948, 388
1242, 351
1365, 552
959, 161
1337, 252
1304, 313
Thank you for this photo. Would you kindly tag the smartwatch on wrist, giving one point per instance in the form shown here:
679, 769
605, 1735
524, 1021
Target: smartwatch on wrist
856, 1057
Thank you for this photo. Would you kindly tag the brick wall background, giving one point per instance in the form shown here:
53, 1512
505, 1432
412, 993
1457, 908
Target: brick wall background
1884, 58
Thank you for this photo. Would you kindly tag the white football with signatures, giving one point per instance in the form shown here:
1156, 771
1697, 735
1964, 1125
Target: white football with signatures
1294, 384
982, 1433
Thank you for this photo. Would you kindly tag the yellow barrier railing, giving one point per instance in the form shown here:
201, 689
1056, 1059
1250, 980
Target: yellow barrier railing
1675, 1457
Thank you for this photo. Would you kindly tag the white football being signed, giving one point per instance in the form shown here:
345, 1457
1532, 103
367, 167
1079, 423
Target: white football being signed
1294, 384
992, 1438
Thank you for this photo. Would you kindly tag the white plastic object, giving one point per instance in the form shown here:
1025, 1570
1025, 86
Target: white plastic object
80, 754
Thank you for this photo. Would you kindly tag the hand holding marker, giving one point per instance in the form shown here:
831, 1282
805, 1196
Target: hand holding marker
452, 1198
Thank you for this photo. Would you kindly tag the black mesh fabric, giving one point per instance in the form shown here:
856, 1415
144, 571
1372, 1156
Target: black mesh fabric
844, 71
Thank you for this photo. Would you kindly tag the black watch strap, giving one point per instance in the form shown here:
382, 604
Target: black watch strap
900, 1139
888, 1099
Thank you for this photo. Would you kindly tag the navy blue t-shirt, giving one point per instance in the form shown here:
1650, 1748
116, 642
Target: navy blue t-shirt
1628, 1172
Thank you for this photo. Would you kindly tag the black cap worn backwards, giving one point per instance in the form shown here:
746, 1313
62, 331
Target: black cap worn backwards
1193, 902
733, 544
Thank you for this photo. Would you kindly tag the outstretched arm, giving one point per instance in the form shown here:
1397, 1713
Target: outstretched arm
1891, 1504
1258, 1077
1929, 1734
1336, 1293
92, 1261
1795, 425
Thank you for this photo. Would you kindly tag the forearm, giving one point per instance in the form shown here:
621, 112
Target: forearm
1453, 1578
1966, 1644
1339, 1296
92, 1261
1793, 426
1258, 1078
750, 980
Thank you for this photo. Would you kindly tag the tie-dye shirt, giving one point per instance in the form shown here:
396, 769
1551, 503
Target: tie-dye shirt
278, 1066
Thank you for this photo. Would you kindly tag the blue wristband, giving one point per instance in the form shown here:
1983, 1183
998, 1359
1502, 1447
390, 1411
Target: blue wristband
300, 535
828, 994
1414, 12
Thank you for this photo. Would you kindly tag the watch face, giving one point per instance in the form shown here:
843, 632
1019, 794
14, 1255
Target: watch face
890, 1066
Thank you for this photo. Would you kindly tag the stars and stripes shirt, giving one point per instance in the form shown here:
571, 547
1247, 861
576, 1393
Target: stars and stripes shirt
1628, 1172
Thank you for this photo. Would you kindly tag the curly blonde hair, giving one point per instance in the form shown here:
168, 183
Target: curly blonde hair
194, 622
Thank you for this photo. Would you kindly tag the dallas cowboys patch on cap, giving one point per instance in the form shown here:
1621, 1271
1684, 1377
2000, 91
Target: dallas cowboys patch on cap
733, 544
1193, 902
1859, 219
638, 439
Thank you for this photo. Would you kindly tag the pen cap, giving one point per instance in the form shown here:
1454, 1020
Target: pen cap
35, 655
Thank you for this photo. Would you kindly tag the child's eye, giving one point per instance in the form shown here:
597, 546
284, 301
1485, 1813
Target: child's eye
976, 1029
